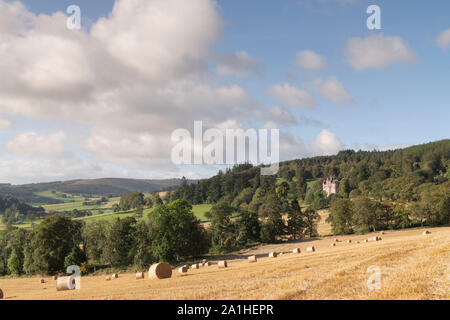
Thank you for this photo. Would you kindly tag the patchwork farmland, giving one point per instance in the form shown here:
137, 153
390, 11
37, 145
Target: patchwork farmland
412, 265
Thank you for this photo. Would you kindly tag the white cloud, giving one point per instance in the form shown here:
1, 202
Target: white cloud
309, 60
325, 143
332, 90
5, 124
281, 115
130, 80
161, 39
291, 96
387, 147
31, 144
14, 18
239, 63
443, 40
291, 147
378, 51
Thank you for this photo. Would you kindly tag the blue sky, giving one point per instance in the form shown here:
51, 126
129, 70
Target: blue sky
107, 97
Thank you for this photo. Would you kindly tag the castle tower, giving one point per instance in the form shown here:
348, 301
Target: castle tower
330, 186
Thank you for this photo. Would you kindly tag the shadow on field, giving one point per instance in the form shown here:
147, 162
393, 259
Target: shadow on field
267, 248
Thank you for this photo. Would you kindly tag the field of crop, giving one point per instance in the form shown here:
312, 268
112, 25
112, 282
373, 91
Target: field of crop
412, 265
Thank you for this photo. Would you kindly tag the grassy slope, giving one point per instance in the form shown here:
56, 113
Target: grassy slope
108, 214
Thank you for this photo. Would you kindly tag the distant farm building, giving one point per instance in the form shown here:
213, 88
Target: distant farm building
330, 186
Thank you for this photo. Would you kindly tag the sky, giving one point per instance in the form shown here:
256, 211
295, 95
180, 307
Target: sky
104, 100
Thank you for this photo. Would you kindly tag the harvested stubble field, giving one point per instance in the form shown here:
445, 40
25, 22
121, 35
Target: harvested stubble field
413, 266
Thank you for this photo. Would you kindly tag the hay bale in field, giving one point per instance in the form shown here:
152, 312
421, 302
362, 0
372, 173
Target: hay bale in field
65, 283
296, 250
252, 259
204, 261
426, 232
160, 270
379, 239
273, 255
310, 249
1, 294
366, 240
207, 264
349, 241
195, 266
382, 232
183, 269
333, 244
42, 280
114, 275
140, 275
223, 264
336, 240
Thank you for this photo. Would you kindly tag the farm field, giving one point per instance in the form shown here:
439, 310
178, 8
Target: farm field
413, 266
106, 208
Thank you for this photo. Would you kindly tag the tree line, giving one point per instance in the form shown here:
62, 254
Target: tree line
171, 233
409, 180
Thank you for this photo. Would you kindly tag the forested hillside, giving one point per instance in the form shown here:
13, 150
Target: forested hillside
414, 181
92, 187
14, 211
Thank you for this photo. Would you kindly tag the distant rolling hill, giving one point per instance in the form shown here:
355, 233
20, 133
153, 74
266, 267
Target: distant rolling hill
91, 187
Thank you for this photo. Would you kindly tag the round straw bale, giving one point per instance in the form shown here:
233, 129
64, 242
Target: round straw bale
195, 266
336, 240
333, 244
252, 259
426, 232
296, 250
365, 240
160, 270
65, 283
273, 255
207, 264
204, 261
140, 275
115, 275
1, 294
382, 232
42, 280
223, 264
349, 241
182, 269
379, 239
108, 278
310, 249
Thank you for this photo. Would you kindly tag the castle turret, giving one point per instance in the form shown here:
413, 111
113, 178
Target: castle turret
330, 186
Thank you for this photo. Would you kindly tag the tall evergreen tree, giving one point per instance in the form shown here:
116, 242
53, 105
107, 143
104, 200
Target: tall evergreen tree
273, 225
295, 222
